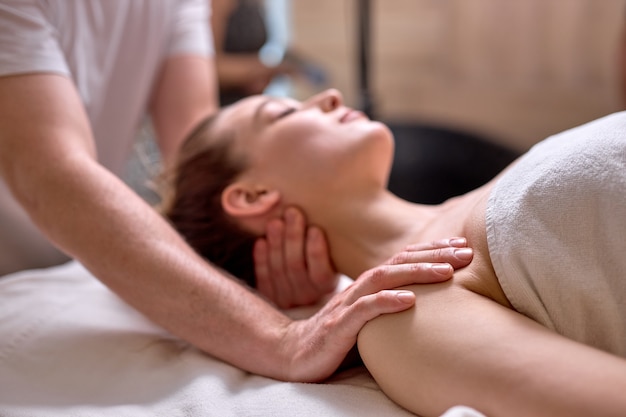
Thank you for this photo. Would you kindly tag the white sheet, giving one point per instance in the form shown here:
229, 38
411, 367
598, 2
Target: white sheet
70, 347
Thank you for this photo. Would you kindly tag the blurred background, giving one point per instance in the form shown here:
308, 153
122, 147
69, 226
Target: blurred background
455, 77
515, 70
466, 86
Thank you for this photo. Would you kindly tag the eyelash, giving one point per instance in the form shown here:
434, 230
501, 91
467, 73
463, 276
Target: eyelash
286, 113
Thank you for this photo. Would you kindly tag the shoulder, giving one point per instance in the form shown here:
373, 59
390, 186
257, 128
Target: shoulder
27, 42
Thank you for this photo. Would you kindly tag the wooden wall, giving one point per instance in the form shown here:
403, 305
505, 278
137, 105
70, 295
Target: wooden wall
517, 71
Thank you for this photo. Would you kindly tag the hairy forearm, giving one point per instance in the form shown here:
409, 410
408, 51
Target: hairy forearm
91, 215
457, 347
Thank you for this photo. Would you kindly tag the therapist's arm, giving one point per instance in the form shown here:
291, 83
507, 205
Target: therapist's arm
48, 159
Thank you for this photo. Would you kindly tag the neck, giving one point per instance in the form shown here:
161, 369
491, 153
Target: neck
365, 232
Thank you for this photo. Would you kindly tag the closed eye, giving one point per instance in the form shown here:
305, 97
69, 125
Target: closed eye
285, 113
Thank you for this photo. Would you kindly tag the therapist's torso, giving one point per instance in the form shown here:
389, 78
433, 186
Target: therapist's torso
112, 50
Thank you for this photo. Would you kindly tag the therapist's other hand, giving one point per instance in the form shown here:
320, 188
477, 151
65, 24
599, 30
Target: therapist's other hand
318, 345
453, 251
292, 263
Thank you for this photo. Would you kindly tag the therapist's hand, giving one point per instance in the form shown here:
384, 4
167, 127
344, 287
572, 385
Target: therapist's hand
316, 346
292, 263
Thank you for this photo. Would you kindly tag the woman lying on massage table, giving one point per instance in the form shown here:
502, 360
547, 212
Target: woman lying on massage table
535, 324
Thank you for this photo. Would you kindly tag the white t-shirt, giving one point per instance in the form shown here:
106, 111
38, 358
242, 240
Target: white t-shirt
113, 51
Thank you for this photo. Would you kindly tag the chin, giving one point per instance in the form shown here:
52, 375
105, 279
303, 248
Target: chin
381, 146
383, 136
381, 129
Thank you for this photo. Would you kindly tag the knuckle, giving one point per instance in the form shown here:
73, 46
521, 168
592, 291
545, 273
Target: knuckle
362, 305
399, 258
379, 274
333, 322
372, 305
416, 268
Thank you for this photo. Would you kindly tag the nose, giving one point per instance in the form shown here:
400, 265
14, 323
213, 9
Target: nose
327, 100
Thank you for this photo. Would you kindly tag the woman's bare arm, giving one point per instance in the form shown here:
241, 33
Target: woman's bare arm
457, 347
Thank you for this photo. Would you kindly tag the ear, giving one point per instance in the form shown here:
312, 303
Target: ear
244, 200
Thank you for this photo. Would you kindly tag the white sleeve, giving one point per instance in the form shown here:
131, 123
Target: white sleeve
28, 42
192, 29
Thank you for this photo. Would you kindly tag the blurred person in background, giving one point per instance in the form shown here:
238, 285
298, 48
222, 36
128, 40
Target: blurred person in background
252, 51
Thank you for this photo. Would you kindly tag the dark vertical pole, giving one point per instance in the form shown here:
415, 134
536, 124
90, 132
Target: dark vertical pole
363, 45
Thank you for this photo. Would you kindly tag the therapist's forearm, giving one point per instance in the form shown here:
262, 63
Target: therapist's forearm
48, 160
90, 214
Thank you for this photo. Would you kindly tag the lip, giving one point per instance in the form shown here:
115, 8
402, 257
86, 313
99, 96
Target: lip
351, 115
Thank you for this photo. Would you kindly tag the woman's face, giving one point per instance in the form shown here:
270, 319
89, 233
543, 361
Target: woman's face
316, 143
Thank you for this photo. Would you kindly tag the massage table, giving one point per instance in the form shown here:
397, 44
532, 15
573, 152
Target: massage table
69, 347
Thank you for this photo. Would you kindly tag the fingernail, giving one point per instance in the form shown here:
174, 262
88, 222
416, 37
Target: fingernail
458, 241
464, 254
405, 296
443, 269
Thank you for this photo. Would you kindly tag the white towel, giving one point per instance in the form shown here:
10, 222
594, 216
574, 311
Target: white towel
556, 225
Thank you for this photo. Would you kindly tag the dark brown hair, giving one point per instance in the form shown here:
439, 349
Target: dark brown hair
191, 200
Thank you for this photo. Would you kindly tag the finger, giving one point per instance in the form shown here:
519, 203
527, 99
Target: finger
322, 273
457, 257
393, 276
458, 242
355, 315
295, 262
261, 267
291, 284
302, 290
309, 286
383, 302
282, 286
307, 262
326, 338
